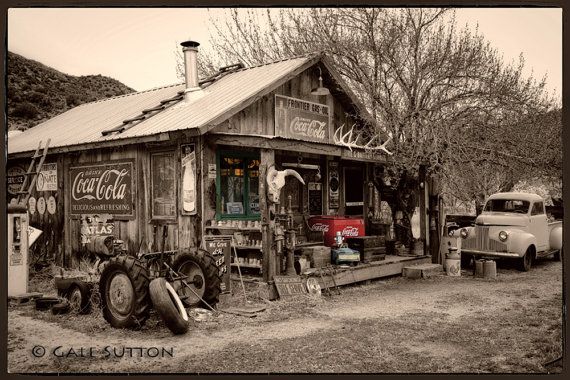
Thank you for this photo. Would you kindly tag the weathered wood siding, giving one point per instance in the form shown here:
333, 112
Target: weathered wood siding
259, 118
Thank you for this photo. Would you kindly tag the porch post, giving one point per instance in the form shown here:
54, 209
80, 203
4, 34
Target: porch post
268, 226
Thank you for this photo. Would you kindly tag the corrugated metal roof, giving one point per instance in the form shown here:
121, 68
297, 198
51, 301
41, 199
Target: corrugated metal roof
84, 124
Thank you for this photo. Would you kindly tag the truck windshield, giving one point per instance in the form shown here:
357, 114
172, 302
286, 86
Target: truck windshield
507, 205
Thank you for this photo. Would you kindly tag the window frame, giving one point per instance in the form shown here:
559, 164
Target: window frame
247, 157
176, 184
542, 212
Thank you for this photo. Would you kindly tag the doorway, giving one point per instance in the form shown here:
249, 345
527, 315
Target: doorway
354, 191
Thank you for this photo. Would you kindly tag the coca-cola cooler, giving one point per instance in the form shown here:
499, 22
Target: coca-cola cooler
329, 225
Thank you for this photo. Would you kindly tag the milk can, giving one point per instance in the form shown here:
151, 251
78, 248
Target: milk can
490, 269
453, 262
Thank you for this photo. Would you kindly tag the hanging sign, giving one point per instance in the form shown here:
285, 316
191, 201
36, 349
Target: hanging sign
315, 190
189, 178
14, 179
32, 205
334, 185
211, 171
51, 204
47, 178
301, 120
102, 188
220, 247
41, 205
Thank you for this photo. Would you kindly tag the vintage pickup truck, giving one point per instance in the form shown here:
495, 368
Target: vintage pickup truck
512, 225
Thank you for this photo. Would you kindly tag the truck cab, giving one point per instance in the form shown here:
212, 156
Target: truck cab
512, 226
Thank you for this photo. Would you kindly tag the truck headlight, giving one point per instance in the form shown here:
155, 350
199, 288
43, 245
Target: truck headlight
503, 236
464, 233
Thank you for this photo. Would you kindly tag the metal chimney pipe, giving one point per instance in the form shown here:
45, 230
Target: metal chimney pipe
190, 49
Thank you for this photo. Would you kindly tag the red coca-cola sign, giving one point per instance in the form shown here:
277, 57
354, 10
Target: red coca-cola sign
302, 120
105, 188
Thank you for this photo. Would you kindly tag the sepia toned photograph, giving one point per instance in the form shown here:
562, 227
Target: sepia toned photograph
268, 190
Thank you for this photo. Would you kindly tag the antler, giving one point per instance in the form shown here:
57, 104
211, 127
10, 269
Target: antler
350, 142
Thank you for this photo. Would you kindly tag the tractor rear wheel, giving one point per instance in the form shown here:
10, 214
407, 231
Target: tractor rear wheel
202, 274
123, 286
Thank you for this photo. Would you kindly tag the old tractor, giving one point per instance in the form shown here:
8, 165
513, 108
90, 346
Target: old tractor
168, 281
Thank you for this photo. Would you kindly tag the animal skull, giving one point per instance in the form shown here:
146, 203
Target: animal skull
276, 181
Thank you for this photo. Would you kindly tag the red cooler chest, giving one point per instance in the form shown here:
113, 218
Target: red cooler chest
329, 225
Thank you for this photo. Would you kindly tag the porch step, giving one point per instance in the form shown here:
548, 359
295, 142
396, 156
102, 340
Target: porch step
422, 270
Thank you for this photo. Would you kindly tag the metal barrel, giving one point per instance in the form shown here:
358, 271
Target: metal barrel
479, 269
490, 269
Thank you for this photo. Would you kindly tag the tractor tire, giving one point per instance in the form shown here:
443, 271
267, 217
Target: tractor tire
167, 303
61, 308
124, 292
45, 303
203, 276
79, 296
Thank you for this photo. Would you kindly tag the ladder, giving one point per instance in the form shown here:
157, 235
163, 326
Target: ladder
33, 171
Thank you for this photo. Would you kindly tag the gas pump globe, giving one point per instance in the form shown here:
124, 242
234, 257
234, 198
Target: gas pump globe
17, 250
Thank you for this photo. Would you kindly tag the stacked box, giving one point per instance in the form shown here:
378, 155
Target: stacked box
319, 256
371, 248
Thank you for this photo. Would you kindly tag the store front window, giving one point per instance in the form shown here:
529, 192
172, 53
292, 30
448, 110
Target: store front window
238, 186
163, 185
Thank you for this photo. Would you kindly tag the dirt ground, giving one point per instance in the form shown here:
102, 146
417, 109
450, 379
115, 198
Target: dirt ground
512, 324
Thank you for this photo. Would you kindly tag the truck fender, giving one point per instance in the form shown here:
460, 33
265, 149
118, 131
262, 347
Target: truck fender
520, 241
555, 238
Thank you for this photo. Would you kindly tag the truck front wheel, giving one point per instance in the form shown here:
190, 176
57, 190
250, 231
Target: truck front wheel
526, 261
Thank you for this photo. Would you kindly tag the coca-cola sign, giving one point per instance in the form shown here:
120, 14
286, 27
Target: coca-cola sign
320, 227
301, 120
102, 188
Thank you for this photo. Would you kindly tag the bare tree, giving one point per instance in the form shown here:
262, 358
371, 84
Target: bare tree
442, 92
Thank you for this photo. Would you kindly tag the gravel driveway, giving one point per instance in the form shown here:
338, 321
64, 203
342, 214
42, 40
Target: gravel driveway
440, 324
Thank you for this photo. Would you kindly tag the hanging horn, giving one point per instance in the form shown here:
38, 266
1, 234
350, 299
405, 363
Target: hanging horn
294, 174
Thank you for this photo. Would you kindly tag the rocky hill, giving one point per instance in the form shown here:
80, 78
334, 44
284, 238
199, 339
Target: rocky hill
37, 92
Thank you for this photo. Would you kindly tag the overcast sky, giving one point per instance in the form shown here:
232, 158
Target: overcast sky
137, 45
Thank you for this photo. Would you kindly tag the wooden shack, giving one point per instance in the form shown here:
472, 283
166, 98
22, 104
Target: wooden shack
196, 155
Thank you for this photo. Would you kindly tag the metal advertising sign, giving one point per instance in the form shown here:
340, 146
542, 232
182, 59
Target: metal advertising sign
103, 188
289, 285
220, 246
14, 179
301, 120
47, 178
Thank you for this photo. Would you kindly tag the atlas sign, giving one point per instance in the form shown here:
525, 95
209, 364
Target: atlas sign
103, 188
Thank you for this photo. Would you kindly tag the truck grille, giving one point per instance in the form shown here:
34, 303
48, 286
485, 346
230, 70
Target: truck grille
481, 241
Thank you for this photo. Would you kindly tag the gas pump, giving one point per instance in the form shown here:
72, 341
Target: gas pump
17, 250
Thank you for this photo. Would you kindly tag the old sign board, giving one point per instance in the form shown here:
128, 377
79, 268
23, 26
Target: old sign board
102, 188
301, 120
47, 178
220, 246
289, 285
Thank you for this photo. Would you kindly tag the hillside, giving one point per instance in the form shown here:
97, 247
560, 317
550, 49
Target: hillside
37, 92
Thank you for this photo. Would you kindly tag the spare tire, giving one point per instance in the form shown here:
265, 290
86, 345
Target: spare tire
167, 303
45, 303
202, 275
61, 308
124, 292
